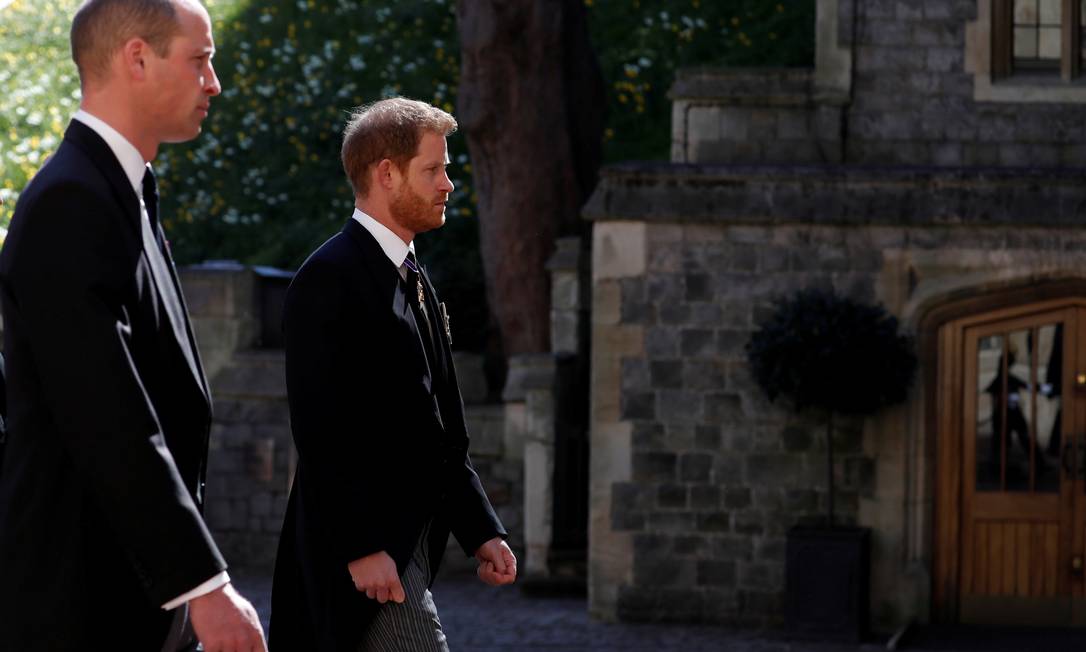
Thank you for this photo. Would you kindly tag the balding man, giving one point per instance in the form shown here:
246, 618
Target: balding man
102, 543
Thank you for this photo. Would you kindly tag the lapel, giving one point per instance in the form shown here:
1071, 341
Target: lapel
159, 264
385, 275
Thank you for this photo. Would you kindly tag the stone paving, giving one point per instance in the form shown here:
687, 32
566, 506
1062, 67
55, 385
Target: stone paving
478, 618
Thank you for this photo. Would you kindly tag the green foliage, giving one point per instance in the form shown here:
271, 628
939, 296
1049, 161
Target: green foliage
40, 90
263, 183
829, 352
641, 43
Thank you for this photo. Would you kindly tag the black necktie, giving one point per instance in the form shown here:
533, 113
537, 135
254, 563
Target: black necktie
416, 296
150, 200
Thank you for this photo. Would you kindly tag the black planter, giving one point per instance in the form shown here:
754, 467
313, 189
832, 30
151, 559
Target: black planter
827, 579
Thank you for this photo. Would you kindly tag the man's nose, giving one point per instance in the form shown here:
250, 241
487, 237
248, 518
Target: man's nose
211, 81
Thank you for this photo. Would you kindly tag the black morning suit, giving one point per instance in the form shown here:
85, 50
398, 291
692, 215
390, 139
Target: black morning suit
382, 442
101, 485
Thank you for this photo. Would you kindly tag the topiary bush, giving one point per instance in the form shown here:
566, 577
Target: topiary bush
828, 352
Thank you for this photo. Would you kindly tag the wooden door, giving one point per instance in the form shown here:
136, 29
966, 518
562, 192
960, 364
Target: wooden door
1019, 416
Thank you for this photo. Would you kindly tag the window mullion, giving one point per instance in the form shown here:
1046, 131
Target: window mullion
1070, 46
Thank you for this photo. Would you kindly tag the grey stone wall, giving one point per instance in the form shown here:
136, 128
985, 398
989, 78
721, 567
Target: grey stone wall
913, 97
696, 475
895, 82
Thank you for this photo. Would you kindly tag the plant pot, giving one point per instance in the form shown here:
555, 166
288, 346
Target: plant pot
827, 573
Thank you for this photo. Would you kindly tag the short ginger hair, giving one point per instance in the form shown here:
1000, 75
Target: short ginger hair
392, 129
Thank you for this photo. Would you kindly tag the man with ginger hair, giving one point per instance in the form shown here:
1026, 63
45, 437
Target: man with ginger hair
102, 542
383, 472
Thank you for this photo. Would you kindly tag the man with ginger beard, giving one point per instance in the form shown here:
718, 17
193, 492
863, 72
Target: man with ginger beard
383, 472
102, 543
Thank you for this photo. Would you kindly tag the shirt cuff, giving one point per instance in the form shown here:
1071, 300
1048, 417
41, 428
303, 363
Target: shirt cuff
219, 581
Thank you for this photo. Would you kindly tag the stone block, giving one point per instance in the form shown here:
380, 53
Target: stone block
662, 342
1015, 154
794, 125
651, 544
635, 309
655, 467
754, 575
689, 545
705, 314
733, 124
732, 547
737, 498
487, 427
635, 375
713, 572
671, 496
703, 123
648, 436
800, 501
695, 467
703, 375
699, 287
887, 33
796, 438
714, 522
705, 497
772, 550
773, 469
944, 59
731, 342
697, 342
638, 405
666, 374
627, 521
678, 406
680, 436
723, 407
707, 437
664, 257
260, 504
750, 523
665, 288
670, 521
618, 250
674, 314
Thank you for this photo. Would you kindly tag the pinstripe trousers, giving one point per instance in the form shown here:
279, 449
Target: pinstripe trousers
413, 625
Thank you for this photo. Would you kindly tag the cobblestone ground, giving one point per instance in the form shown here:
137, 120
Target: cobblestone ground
478, 618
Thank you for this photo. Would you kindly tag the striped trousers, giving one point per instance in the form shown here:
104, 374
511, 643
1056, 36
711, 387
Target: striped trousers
413, 625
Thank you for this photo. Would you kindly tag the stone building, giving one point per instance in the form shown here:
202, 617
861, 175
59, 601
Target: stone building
933, 162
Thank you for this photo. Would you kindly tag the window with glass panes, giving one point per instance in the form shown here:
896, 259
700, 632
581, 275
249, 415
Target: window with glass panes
1038, 37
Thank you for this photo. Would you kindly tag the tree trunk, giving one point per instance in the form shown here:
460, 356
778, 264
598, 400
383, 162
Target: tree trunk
531, 103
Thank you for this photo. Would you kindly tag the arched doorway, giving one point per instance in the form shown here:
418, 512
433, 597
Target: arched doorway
1010, 416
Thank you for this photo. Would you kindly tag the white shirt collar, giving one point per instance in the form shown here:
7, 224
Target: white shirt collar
390, 243
127, 155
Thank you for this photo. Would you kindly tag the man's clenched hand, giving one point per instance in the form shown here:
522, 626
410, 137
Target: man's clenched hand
376, 576
497, 563
226, 622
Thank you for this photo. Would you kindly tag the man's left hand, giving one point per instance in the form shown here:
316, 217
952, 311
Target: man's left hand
497, 564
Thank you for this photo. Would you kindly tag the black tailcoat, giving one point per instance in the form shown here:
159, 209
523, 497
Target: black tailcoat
109, 415
382, 442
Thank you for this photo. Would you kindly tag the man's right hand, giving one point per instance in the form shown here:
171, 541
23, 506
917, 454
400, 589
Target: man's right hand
226, 622
376, 576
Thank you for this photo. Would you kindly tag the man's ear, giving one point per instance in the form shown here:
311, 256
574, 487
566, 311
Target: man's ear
133, 54
384, 173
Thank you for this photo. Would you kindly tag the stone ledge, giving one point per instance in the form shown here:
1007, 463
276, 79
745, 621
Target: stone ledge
745, 86
839, 195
